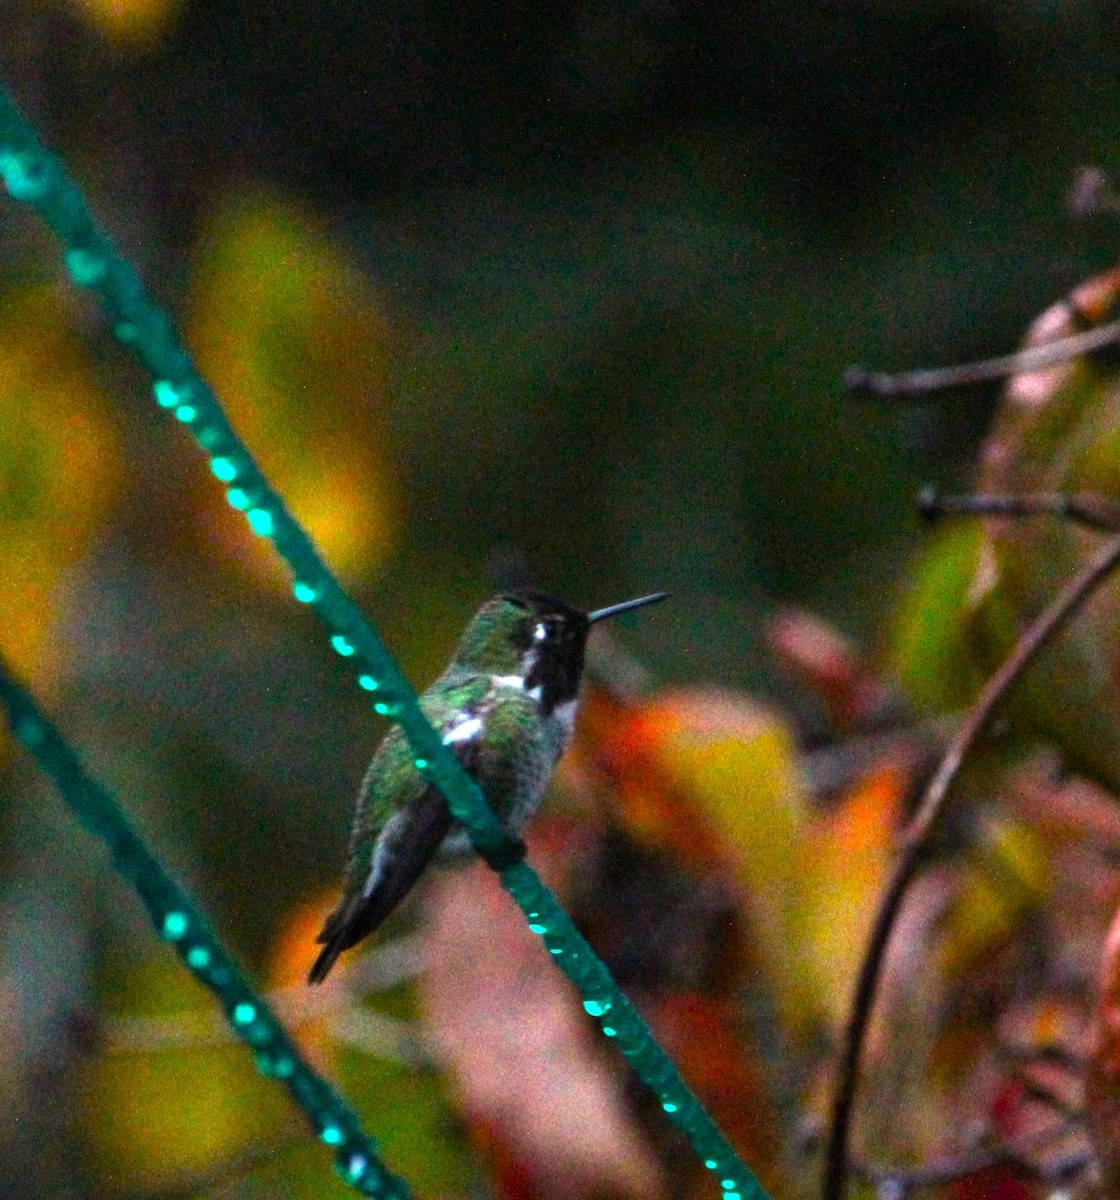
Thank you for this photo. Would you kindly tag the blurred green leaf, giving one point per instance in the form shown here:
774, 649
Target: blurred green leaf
1056, 432
929, 649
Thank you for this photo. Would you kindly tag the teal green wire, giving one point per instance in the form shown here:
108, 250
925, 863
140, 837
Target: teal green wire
178, 921
36, 177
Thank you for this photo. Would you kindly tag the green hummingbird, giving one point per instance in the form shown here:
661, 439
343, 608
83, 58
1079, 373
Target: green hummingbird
505, 705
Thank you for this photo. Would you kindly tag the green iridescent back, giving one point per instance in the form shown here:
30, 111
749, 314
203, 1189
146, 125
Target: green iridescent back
513, 760
491, 642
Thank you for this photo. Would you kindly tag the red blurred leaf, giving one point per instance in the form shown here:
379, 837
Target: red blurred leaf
703, 1035
841, 679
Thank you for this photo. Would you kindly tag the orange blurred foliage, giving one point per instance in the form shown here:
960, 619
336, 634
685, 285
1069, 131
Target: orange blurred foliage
292, 954
60, 467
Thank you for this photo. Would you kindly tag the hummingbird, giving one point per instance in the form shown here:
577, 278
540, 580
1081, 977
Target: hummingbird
505, 706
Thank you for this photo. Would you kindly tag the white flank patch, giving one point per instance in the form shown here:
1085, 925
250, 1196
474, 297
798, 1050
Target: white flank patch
382, 851
513, 681
566, 714
463, 731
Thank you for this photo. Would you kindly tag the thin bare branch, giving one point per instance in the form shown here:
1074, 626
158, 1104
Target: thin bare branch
1020, 1062
1020, 1056
938, 379
915, 840
1095, 512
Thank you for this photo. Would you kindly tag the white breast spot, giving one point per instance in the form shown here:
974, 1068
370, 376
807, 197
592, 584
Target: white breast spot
463, 730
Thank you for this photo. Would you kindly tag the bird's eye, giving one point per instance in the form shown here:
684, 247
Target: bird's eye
540, 632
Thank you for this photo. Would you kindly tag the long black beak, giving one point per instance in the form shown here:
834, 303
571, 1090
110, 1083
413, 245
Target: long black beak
601, 614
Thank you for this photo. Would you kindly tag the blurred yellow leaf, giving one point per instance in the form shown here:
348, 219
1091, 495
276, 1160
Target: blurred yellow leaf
59, 467
842, 861
1005, 877
736, 763
293, 341
930, 649
160, 1116
130, 24
408, 1109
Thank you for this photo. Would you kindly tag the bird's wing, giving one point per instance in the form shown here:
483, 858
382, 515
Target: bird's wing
404, 847
395, 868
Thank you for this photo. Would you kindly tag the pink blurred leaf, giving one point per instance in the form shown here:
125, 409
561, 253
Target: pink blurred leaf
528, 1070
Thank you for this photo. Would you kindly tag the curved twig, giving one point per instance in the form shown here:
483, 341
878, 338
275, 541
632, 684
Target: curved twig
1091, 511
938, 379
915, 838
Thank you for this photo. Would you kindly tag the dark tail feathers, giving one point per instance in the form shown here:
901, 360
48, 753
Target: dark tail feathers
428, 824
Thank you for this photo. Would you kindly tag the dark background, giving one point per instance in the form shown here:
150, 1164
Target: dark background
641, 241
